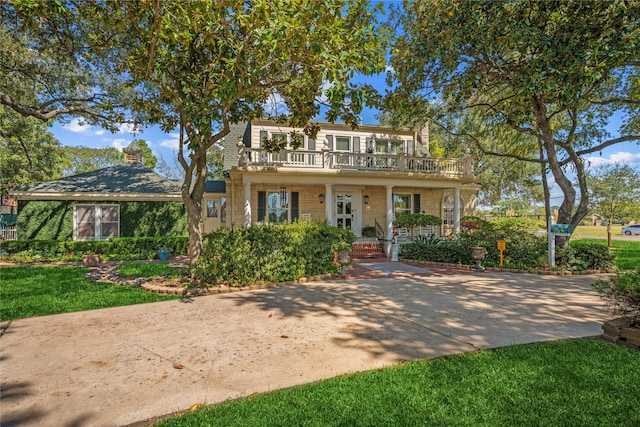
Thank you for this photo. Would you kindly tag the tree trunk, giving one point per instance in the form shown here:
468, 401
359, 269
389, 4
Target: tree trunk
609, 230
565, 212
192, 195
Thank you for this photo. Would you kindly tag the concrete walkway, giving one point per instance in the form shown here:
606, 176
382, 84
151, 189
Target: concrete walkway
124, 365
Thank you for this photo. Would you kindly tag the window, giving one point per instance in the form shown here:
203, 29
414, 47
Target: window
343, 143
277, 207
448, 206
401, 204
280, 138
212, 209
96, 222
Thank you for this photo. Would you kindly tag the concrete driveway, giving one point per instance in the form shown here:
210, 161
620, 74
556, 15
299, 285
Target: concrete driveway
123, 365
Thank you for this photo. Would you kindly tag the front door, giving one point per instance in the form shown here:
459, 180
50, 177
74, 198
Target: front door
344, 210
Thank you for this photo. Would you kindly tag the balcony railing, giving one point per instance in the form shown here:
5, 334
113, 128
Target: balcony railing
344, 160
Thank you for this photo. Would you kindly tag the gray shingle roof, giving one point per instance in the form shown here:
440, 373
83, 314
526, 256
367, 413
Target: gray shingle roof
132, 178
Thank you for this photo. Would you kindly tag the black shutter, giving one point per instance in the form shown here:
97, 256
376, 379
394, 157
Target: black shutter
416, 203
295, 208
330, 142
262, 205
369, 142
356, 144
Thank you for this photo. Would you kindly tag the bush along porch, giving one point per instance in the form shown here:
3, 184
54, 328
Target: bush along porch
524, 250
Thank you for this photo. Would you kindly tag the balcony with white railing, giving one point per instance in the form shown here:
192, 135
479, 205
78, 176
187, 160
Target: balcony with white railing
358, 161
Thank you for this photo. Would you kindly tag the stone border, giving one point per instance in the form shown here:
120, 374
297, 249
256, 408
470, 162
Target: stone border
508, 270
172, 288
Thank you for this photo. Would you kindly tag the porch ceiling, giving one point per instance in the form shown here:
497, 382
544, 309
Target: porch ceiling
273, 175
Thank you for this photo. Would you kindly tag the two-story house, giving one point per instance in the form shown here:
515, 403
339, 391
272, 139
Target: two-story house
351, 178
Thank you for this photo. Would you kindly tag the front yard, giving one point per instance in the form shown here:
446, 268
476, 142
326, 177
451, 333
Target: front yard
563, 383
29, 291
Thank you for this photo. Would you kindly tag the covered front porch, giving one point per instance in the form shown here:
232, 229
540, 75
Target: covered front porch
349, 199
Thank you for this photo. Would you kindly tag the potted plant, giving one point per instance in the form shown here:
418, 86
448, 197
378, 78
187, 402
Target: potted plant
343, 255
164, 252
478, 253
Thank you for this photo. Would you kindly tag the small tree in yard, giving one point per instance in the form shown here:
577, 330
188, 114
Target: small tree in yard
615, 192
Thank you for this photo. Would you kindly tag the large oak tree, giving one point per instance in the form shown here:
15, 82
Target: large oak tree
554, 72
202, 66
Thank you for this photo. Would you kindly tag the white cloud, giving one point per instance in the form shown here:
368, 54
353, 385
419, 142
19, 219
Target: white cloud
172, 143
619, 157
126, 128
119, 143
99, 132
389, 69
77, 125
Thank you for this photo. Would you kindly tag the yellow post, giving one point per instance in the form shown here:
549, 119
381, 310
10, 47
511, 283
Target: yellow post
502, 245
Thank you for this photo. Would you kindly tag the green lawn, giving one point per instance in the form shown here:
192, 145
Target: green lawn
627, 252
562, 383
27, 291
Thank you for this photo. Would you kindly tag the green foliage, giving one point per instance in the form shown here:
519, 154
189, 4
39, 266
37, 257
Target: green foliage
38, 291
142, 219
29, 153
535, 82
53, 220
411, 220
118, 248
524, 249
45, 220
369, 231
269, 253
586, 256
622, 292
615, 192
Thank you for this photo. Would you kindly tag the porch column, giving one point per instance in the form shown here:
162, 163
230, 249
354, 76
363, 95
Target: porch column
390, 218
329, 203
456, 210
247, 205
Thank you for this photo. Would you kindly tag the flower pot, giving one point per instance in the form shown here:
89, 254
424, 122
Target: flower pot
91, 260
164, 254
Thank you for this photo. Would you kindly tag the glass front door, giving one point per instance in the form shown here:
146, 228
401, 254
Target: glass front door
344, 211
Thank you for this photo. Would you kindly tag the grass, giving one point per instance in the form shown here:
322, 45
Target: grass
146, 269
28, 291
597, 231
627, 252
562, 383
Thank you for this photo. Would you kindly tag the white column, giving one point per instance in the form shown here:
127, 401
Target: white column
247, 205
390, 218
329, 204
456, 210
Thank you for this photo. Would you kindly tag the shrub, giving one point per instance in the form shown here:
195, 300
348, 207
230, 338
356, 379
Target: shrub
269, 253
621, 292
594, 256
369, 231
117, 248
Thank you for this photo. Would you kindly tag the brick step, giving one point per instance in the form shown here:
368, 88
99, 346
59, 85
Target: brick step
367, 251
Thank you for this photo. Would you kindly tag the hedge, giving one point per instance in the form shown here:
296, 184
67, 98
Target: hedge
53, 220
269, 253
117, 248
